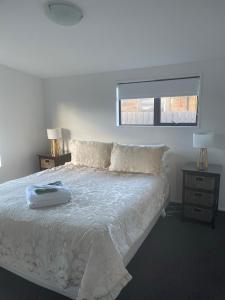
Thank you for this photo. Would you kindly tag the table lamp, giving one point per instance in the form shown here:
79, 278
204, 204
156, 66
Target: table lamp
54, 135
203, 141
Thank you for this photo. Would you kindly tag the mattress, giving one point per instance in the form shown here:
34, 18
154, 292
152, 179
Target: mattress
79, 249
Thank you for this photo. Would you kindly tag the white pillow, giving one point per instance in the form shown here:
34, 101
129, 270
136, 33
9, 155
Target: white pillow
91, 154
137, 159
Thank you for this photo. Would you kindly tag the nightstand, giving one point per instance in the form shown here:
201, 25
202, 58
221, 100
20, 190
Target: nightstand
47, 161
201, 192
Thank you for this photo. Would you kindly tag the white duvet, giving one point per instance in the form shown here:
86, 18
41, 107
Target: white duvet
78, 248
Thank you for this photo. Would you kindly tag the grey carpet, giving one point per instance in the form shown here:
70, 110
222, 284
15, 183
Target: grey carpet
178, 261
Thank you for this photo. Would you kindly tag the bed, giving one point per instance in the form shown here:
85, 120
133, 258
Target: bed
80, 249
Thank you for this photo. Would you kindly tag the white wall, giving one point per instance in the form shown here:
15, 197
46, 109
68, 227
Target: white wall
86, 105
22, 129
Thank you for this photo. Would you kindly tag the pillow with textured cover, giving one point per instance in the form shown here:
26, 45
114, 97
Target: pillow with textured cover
91, 154
138, 158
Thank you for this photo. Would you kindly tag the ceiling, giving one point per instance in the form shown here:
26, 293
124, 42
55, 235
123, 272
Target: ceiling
113, 35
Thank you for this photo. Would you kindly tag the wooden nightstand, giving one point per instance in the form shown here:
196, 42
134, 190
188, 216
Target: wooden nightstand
201, 192
47, 161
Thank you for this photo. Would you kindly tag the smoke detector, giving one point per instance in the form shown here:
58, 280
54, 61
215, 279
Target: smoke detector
63, 13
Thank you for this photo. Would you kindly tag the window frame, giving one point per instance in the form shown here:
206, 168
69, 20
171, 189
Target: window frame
157, 111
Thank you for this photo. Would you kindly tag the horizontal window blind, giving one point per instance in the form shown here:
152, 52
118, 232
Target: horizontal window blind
159, 88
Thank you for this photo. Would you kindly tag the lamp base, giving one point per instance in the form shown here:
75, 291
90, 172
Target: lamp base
55, 148
202, 163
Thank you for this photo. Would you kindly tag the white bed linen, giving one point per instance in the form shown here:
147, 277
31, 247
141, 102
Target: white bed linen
78, 249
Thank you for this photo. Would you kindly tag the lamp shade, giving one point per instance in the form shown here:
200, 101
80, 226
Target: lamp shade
54, 134
203, 140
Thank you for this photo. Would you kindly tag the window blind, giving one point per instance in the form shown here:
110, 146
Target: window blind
159, 88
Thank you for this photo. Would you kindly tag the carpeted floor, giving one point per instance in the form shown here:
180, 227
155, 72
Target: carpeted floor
178, 261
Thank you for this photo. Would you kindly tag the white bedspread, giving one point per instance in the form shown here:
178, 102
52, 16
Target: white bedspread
78, 248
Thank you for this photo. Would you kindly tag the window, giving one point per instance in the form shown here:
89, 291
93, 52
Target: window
172, 102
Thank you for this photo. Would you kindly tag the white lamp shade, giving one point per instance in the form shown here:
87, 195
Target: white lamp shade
203, 140
54, 134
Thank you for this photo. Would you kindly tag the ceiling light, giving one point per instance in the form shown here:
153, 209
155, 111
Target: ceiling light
63, 13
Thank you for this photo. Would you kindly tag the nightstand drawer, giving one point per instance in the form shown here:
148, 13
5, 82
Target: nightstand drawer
197, 213
201, 192
199, 198
47, 163
200, 182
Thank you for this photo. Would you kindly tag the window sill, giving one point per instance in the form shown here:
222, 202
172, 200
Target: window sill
158, 126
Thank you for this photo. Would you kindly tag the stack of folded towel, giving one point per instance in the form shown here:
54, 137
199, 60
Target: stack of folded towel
47, 195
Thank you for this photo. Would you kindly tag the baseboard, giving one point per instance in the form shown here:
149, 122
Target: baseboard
221, 208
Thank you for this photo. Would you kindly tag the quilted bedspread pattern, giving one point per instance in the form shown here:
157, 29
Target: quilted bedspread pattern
78, 248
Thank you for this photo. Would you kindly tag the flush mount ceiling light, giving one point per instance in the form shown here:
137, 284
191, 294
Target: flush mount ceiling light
63, 13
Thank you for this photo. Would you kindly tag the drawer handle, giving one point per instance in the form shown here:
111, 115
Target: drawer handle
197, 209
198, 194
199, 179
47, 160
